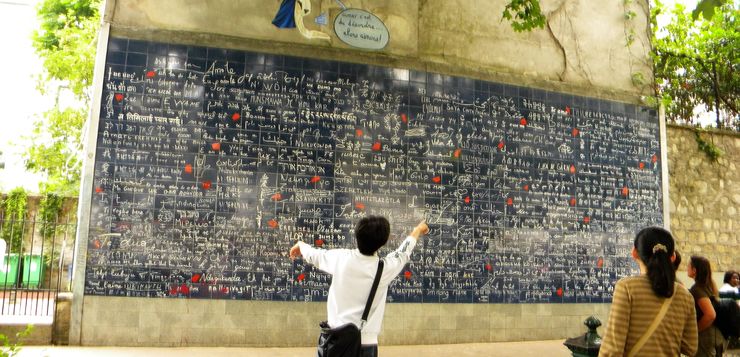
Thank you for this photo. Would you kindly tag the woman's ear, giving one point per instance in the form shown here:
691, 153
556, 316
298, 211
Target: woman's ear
673, 257
635, 256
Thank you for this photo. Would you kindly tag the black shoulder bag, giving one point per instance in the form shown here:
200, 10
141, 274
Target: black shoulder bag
346, 340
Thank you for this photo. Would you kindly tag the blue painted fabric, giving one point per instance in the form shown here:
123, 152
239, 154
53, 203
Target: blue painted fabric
284, 17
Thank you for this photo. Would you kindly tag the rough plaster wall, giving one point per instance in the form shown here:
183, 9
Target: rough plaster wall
705, 197
582, 49
252, 19
583, 43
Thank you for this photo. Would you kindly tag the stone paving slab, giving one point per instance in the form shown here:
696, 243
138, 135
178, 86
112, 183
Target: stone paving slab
552, 348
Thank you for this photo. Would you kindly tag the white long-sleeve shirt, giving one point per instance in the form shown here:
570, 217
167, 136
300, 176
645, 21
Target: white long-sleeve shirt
352, 277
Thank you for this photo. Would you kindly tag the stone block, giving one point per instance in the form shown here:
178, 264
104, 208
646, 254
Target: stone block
394, 323
429, 337
532, 321
498, 335
115, 336
254, 337
508, 309
420, 309
116, 318
512, 322
276, 322
196, 306
497, 321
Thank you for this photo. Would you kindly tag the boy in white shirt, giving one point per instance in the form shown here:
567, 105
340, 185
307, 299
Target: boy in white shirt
353, 271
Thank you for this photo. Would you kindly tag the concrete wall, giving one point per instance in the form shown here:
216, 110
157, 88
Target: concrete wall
168, 322
582, 51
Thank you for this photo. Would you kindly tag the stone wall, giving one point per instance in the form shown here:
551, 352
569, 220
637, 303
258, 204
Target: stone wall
705, 197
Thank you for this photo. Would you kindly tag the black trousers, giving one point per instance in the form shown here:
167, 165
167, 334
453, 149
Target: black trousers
369, 350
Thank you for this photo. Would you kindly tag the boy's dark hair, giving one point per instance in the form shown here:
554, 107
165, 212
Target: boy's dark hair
372, 232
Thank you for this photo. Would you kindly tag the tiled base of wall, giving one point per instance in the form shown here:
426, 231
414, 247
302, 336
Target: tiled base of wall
111, 321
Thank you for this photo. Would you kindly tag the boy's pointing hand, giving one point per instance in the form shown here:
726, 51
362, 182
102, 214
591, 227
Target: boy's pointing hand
295, 252
420, 230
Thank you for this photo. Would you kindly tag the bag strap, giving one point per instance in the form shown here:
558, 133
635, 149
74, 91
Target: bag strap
370, 298
663, 309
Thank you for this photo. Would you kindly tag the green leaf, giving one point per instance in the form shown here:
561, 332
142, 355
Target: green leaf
524, 15
706, 8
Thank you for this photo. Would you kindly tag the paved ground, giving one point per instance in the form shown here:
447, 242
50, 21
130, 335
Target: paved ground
552, 348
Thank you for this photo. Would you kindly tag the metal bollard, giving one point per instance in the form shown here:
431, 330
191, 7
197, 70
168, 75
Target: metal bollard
588, 344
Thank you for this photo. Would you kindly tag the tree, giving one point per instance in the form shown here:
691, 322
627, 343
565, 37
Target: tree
66, 41
697, 63
13, 208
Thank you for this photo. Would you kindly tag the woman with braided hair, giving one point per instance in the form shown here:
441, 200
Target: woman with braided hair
651, 314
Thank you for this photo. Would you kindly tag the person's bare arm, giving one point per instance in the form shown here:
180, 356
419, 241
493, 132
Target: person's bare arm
705, 305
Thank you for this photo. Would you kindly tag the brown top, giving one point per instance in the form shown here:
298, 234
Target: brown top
634, 308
